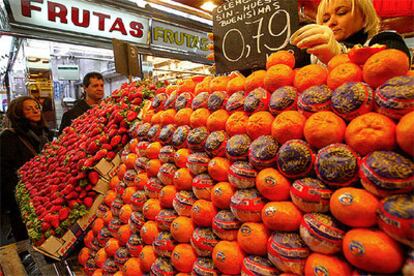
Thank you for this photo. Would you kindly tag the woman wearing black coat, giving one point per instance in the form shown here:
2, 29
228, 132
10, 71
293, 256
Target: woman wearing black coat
24, 139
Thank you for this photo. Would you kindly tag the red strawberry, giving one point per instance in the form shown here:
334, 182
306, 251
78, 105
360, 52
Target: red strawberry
131, 115
108, 147
72, 195
72, 204
82, 194
88, 201
116, 140
110, 155
100, 154
125, 139
64, 213
88, 187
58, 201
93, 177
45, 226
54, 221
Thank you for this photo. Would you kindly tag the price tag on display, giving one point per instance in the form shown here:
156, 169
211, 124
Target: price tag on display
247, 31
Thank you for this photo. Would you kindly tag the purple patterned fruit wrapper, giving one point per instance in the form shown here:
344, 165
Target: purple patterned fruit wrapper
295, 158
258, 265
179, 138
235, 102
217, 100
282, 99
162, 267
337, 164
166, 134
256, 100
395, 97
170, 102
166, 154
200, 101
158, 101
154, 132
388, 170
183, 100
263, 152
196, 138
216, 143
142, 131
237, 147
316, 98
352, 99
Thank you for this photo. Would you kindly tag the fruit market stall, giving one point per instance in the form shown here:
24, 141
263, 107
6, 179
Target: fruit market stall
288, 170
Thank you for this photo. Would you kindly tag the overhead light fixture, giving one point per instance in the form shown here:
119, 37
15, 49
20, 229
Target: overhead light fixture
208, 6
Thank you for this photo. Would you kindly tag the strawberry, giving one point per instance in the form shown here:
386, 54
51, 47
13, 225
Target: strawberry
115, 140
58, 201
56, 208
88, 201
131, 115
45, 226
64, 213
125, 139
93, 177
54, 221
72, 204
72, 195
110, 155
100, 154
93, 147
82, 194
88, 187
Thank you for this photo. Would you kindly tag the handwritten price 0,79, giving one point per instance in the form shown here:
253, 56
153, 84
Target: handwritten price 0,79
246, 48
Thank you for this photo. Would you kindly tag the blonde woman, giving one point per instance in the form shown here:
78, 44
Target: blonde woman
341, 24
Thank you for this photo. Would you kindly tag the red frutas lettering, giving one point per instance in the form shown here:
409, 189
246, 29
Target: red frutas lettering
85, 18
136, 29
118, 26
101, 17
57, 10
27, 7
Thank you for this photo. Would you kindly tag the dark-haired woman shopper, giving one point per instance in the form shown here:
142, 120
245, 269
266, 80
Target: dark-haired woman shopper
24, 139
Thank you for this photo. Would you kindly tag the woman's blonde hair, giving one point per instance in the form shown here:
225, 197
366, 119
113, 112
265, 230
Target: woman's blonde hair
371, 19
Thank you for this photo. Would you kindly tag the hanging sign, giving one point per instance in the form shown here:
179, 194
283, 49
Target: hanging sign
81, 17
247, 31
127, 59
170, 37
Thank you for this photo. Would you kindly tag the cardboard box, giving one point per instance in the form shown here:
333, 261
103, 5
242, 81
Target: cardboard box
61, 248
87, 219
107, 169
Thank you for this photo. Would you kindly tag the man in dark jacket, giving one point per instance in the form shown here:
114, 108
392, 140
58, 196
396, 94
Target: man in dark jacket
93, 86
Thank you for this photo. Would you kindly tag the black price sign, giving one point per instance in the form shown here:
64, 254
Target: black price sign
247, 31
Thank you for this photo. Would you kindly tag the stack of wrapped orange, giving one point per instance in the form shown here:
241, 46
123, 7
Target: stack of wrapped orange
301, 171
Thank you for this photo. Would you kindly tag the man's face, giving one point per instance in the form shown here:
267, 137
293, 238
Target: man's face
95, 89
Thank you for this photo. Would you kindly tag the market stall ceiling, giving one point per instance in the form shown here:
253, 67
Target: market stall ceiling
39, 52
394, 18
198, 4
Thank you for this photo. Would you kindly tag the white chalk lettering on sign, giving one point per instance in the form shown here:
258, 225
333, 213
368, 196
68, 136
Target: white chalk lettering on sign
262, 28
247, 31
251, 9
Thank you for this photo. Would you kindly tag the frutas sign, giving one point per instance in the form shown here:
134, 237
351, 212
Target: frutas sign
81, 17
171, 37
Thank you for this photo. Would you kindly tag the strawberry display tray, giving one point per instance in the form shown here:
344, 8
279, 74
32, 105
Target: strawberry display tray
61, 248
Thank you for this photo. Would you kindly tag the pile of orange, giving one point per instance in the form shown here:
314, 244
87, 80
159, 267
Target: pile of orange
179, 207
